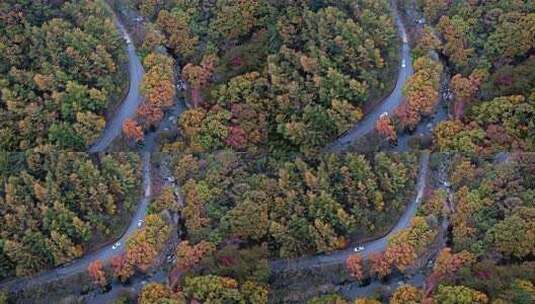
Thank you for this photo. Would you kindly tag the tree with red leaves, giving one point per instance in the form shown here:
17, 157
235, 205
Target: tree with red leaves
190, 255
386, 128
237, 138
122, 269
96, 273
380, 265
354, 267
198, 77
132, 130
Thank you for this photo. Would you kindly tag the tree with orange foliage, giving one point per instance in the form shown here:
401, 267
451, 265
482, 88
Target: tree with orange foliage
157, 87
407, 115
158, 293
400, 255
446, 265
465, 89
406, 294
386, 128
449, 263
421, 92
198, 77
379, 265
189, 256
122, 269
142, 255
456, 46
150, 114
175, 25
132, 130
96, 273
354, 267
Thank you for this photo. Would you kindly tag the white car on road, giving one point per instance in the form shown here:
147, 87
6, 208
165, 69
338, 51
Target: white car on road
116, 245
403, 63
358, 249
140, 223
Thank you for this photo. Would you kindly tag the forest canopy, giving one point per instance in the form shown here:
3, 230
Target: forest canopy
55, 205
60, 71
276, 76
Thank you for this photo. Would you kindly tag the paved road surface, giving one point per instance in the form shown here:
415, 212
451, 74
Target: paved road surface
103, 254
367, 124
370, 247
128, 107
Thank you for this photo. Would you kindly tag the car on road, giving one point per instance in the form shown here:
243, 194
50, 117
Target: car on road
384, 114
116, 245
140, 223
358, 249
127, 39
403, 63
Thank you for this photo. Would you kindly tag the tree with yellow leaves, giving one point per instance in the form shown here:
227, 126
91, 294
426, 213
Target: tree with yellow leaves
406, 294
354, 267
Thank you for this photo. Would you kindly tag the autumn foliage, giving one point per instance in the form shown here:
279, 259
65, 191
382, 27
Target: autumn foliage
132, 130
158, 88
421, 92
60, 66
96, 273
379, 265
142, 248
122, 269
354, 265
406, 294
385, 127
465, 89
198, 77
53, 206
190, 255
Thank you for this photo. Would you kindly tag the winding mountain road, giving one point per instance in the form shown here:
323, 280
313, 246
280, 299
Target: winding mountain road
128, 107
126, 110
103, 254
367, 124
362, 128
378, 245
113, 129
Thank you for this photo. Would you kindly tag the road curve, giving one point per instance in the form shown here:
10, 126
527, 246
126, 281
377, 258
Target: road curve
378, 245
113, 128
367, 124
128, 107
103, 254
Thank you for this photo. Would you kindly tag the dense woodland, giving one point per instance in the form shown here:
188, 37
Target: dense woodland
269, 76
489, 47
60, 70
303, 208
295, 101
490, 255
236, 217
269, 84
53, 206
